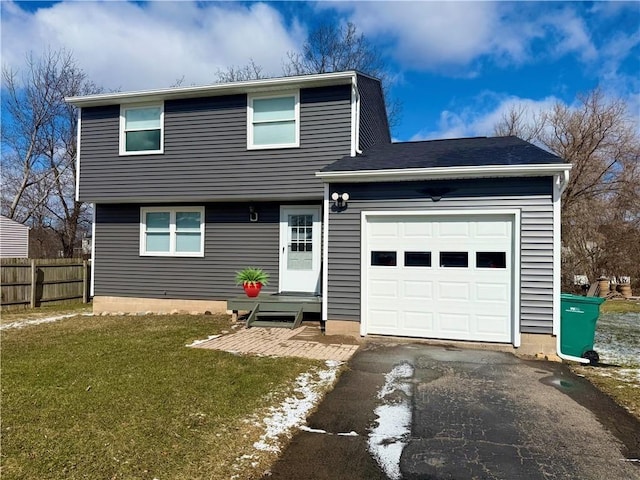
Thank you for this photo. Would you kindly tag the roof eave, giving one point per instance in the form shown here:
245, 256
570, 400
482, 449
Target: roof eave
443, 173
280, 83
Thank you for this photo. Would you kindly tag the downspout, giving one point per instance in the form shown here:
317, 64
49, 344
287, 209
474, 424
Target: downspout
94, 206
560, 184
325, 254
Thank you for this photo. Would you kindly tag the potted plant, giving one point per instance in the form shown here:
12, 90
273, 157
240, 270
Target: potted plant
252, 279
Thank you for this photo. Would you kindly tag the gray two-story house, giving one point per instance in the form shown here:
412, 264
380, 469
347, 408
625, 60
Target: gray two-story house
447, 239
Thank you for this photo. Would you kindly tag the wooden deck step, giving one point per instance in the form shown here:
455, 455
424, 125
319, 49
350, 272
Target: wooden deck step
271, 324
276, 316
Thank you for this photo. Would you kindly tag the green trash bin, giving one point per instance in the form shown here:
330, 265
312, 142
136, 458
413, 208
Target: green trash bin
578, 325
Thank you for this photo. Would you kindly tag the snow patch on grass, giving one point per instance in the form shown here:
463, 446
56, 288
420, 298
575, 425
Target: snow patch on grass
617, 342
198, 342
293, 411
39, 321
389, 437
618, 339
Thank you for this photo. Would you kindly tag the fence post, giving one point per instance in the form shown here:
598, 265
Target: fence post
34, 278
85, 266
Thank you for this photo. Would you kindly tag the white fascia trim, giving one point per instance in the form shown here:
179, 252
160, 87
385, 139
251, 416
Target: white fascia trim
364, 291
93, 249
516, 278
355, 118
322, 79
557, 253
437, 173
325, 253
78, 126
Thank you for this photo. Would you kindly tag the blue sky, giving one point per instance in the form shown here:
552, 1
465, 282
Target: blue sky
456, 66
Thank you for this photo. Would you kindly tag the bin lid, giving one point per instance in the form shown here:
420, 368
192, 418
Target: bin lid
569, 297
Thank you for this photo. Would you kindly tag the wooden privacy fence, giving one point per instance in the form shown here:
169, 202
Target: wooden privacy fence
31, 282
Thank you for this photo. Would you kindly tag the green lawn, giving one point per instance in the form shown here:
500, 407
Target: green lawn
617, 340
620, 306
123, 398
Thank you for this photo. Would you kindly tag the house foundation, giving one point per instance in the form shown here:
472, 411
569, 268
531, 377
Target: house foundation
342, 327
155, 305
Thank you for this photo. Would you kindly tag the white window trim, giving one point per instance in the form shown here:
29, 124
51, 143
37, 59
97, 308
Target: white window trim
172, 231
123, 143
250, 100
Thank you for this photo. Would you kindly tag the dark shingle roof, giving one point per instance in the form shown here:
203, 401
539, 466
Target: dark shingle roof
459, 152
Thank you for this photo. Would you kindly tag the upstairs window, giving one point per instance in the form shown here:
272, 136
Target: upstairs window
173, 232
273, 122
141, 129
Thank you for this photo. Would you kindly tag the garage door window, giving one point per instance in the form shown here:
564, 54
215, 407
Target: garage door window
417, 259
454, 259
491, 260
383, 259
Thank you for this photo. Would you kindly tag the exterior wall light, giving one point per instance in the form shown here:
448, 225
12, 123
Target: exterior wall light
340, 200
253, 214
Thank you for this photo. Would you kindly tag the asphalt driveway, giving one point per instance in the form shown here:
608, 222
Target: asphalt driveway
415, 411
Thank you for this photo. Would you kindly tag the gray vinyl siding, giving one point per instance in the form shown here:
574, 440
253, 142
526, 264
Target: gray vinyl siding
374, 125
532, 196
205, 152
231, 243
14, 239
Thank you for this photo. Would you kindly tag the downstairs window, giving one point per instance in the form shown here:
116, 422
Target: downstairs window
172, 232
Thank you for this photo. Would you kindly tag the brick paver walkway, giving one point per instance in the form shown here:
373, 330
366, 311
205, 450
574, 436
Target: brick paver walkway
279, 342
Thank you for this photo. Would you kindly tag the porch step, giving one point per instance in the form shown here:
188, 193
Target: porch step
275, 316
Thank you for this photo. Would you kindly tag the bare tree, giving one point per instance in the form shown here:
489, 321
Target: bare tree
334, 48
601, 204
39, 145
329, 47
251, 71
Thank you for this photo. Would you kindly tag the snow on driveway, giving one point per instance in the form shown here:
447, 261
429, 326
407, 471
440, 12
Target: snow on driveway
389, 437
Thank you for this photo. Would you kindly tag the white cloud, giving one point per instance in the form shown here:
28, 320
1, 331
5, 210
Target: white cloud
451, 37
133, 46
475, 121
567, 34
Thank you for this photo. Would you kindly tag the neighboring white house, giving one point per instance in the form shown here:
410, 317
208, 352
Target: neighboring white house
14, 239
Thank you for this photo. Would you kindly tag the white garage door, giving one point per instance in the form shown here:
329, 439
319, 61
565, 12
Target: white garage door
447, 277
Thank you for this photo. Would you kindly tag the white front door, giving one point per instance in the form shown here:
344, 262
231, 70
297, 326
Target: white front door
300, 249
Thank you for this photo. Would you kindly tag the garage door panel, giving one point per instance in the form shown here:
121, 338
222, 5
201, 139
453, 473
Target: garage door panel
449, 230
384, 288
492, 292
491, 324
383, 229
419, 321
384, 318
423, 294
454, 291
417, 290
492, 230
417, 229
454, 323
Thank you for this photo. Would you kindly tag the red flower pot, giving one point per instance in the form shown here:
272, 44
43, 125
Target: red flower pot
252, 289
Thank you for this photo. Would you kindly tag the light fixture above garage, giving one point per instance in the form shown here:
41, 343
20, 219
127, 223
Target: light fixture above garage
340, 200
436, 193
